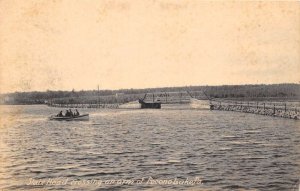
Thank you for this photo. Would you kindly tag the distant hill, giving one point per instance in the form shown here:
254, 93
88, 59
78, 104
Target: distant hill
262, 91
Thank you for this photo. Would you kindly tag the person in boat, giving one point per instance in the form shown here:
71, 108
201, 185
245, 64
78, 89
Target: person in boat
71, 113
60, 114
76, 113
67, 114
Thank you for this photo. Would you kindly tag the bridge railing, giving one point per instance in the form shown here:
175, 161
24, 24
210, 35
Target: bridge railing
285, 106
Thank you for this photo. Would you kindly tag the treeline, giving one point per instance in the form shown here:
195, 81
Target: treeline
254, 91
109, 96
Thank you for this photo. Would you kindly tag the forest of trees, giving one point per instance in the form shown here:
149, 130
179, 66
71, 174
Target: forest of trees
287, 91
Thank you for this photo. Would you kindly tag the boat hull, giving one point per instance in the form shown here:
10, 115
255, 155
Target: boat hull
73, 118
155, 105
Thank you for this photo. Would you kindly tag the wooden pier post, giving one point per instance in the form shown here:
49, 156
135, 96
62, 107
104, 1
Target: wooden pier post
180, 96
98, 100
166, 97
153, 97
284, 107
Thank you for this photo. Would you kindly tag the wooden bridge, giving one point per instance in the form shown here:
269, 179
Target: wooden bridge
286, 109
181, 97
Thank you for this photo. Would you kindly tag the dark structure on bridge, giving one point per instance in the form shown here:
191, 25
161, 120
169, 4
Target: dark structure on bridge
149, 105
154, 105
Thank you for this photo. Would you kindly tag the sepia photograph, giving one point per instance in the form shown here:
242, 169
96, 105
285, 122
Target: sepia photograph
154, 95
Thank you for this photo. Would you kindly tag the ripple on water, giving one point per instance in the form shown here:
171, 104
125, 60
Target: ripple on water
174, 161
158, 163
225, 148
239, 142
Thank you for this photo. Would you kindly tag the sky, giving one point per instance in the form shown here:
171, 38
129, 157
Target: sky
65, 44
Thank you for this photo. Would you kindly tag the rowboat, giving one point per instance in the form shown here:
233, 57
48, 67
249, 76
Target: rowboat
83, 117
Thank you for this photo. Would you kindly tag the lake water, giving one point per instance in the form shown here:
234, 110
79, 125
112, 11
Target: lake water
220, 150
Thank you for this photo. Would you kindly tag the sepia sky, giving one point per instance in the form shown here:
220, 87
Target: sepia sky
65, 44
